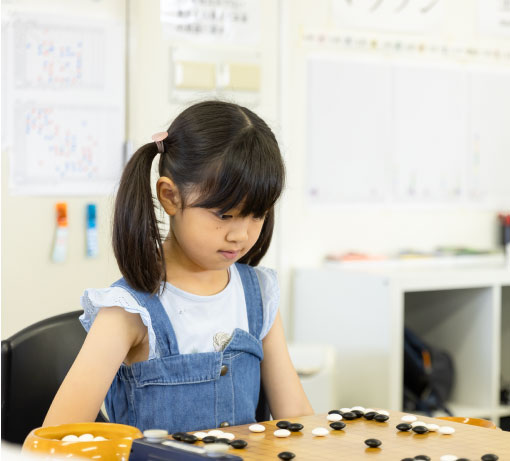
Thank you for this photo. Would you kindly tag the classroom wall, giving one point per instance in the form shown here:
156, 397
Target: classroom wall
311, 232
34, 288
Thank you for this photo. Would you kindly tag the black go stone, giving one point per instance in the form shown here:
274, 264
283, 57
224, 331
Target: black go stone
423, 457
286, 455
238, 443
209, 439
337, 412
420, 429
283, 424
222, 440
358, 413
407, 459
490, 457
463, 459
189, 438
178, 435
370, 415
381, 418
373, 443
404, 427
337, 425
349, 415
295, 427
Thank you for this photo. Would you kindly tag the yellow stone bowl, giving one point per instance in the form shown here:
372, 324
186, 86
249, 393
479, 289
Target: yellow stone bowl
47, 441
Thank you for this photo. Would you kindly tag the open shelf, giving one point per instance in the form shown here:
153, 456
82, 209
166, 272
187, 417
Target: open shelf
465, 311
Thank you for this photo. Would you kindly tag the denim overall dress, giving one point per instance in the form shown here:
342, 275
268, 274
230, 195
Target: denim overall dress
187, 392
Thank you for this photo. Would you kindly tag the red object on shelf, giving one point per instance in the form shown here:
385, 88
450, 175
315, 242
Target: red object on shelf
505, 219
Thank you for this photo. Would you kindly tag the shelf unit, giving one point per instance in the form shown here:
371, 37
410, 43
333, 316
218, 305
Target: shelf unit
362, 312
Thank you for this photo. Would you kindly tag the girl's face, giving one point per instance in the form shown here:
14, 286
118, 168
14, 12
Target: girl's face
210, 240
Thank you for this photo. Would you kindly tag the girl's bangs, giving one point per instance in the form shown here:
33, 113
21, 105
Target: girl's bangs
249, 183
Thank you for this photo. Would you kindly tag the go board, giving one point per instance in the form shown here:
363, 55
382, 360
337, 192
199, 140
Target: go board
467, 442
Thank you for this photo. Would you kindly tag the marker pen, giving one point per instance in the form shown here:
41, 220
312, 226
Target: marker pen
60, 244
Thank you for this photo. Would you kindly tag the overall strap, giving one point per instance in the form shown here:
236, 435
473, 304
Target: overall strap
253, 298
166, 340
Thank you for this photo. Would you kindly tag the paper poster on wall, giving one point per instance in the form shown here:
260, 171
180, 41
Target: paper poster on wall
488, 162
222, 21
348, 126
430, 127
494, 17
64, 104
406, 133
65, 150
58, 57
418, 16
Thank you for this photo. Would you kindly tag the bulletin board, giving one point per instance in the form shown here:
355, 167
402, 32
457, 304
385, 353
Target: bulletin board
63, 103
386, 131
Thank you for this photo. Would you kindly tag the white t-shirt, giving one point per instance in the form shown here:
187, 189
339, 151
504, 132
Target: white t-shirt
201, 323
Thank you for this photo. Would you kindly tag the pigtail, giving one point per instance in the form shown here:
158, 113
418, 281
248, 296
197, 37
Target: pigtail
136, 239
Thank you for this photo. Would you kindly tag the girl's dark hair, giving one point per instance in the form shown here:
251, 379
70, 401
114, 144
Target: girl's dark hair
223, 153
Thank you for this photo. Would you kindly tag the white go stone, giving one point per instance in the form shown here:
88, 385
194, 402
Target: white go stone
215, 433
362, 409
383, 412
282, 433
99, 438
228, 435
86, 437
334, 417
418, 423
345, 410
446, 430
216, 447
257, 428
409, 418
70, 438
448, 458
320, 432
432, 427
155, 435
200, 435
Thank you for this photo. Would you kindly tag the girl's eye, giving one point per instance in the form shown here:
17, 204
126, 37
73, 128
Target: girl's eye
224, 217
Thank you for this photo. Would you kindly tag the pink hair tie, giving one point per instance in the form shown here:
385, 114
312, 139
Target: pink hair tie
158, 138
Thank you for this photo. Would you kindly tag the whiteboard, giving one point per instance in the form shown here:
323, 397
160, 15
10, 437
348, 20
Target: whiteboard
407, 133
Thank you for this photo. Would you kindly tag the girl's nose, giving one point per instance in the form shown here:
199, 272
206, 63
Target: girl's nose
238, 231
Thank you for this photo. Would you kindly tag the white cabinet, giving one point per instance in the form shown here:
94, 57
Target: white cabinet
362, 312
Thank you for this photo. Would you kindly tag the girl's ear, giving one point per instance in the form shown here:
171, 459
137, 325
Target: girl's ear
168, 195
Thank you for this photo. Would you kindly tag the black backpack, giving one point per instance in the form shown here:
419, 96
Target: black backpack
428, 376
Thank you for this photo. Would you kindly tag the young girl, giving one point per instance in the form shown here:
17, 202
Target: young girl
183, 340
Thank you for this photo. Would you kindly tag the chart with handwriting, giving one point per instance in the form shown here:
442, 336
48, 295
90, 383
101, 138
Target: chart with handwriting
64, 104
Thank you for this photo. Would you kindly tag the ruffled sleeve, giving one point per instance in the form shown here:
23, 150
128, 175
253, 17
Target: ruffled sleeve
95, 299
270, 291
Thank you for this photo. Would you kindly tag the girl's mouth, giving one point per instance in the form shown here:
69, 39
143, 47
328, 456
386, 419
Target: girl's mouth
229, 254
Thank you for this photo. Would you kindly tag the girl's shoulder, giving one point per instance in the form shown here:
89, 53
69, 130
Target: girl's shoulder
95, 299
270, 293
266, 276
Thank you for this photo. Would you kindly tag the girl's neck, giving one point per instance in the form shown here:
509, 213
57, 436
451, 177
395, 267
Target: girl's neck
187, 276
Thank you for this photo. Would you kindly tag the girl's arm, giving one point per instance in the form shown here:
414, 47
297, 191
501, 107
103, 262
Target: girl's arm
283, 389
111, 336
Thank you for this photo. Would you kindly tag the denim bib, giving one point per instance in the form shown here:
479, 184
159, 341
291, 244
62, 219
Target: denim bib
188, 392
